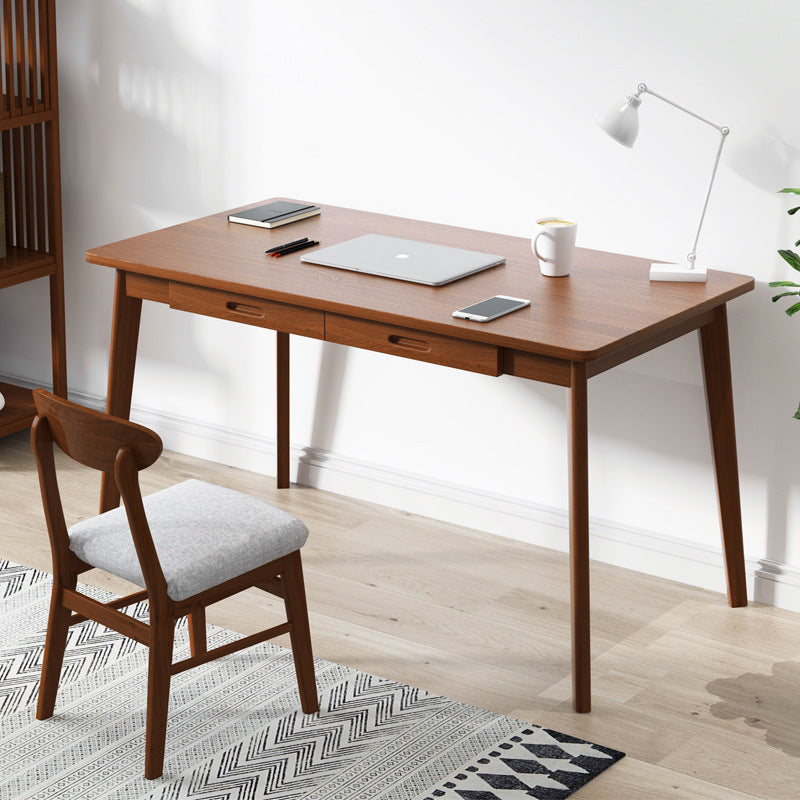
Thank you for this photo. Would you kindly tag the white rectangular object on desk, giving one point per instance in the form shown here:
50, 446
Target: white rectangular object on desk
679, 273
403, 259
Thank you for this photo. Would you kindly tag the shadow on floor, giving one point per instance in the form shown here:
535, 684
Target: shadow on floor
768, 702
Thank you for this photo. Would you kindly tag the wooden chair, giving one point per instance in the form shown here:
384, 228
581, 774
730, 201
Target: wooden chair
189, 545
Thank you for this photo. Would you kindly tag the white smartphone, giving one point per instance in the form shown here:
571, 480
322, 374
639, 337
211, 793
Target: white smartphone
492, 308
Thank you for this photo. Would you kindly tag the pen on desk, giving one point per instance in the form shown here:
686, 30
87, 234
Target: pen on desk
295, 248
284, 246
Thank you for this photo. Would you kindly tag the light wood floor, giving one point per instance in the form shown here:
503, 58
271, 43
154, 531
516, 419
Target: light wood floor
704, 699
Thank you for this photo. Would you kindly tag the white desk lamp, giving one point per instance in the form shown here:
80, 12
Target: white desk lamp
622, 124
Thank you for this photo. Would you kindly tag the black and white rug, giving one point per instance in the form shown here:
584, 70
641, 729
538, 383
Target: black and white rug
236, 732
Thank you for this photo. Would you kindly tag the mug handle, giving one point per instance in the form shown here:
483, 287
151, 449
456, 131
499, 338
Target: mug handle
536, 251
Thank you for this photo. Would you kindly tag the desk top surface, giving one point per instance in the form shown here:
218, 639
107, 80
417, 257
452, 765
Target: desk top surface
606, 303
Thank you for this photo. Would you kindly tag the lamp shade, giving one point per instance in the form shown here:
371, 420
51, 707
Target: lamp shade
621, 123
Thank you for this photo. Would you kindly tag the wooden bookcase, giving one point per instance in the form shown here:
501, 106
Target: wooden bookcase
29, 161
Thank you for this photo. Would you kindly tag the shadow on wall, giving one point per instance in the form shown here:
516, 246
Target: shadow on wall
157, 113
330, 382
160, 104
765, 160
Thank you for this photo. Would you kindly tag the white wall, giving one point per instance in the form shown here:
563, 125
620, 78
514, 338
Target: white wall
476, 114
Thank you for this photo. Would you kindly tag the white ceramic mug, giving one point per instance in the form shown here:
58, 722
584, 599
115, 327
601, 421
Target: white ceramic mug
554, 245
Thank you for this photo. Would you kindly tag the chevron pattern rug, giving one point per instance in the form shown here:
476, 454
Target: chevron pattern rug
236, 732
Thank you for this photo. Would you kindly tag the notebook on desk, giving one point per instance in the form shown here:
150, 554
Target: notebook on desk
403, 259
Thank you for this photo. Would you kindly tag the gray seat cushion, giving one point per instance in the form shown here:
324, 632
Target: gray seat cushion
203, 534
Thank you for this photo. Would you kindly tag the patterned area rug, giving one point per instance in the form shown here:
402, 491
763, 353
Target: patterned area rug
236, 732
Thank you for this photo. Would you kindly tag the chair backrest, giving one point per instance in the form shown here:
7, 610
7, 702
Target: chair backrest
92, 438
101, 442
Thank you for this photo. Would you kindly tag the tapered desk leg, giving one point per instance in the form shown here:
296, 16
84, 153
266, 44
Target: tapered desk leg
719, 396
283, 409
579, 537
122, 361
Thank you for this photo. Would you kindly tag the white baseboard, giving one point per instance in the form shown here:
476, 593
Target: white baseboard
769, 582
777, 585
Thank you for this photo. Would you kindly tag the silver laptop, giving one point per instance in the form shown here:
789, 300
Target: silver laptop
406, 260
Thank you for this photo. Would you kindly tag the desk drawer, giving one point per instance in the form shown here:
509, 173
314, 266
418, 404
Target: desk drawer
410, 343
246, 309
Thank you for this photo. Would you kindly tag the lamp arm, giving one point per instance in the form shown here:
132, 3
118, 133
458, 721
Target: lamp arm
642, 88
723, 131
693, 254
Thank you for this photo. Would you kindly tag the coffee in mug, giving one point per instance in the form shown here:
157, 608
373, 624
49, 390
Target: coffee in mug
554, 245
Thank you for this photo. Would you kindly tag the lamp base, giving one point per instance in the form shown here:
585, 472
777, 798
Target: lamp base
677, 272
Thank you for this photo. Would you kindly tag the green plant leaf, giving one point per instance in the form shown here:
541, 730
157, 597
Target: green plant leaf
797, 243
784, 294
792, 309
791, 258
789, 191
797, 413
793, 210
775, 284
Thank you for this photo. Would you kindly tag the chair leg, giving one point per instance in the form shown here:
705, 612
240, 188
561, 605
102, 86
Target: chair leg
158, 680
300, 634
54, 646
197, 631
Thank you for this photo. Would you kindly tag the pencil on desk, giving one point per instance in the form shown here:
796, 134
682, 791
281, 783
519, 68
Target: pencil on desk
281, 247
295, 248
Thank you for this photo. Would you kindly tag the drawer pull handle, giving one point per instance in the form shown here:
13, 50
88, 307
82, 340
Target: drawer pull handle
410, 344
243, 308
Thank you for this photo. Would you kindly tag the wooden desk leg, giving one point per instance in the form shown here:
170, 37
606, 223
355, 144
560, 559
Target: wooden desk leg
719, 396
122, 361
58, 334
578, 433
283, 409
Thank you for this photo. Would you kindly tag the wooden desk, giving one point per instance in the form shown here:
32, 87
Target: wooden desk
603, 314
